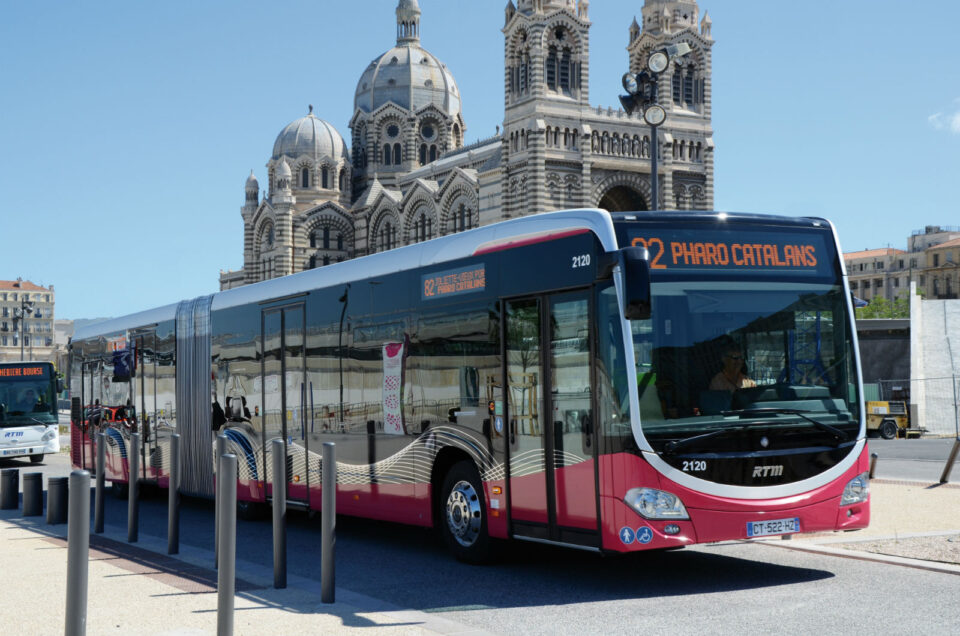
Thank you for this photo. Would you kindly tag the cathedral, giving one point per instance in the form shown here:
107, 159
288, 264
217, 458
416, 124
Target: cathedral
406, 175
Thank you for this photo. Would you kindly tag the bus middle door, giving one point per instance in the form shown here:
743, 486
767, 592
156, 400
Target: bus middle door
552, 475
284, 373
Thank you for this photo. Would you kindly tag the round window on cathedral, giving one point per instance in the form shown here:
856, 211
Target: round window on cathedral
393, 130
428, 132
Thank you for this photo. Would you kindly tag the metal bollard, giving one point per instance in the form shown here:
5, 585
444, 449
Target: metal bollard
133, 501
220, 452
873, 464
279, 515
226, 574
9, 489
101, 477
328, 522
78, 553
57, 500
173, 497
32, 494
945, 476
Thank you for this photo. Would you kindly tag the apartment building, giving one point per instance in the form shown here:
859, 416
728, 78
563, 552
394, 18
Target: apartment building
26, 321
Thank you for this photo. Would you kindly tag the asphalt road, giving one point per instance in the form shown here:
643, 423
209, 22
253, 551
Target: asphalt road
914, 459
730, 588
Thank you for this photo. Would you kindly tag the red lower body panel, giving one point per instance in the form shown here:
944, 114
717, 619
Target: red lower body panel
714, 518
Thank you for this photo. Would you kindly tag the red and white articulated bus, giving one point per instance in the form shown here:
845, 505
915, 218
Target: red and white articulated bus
610, 382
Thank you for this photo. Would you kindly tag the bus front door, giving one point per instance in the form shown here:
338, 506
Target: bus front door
553, 483
284, 414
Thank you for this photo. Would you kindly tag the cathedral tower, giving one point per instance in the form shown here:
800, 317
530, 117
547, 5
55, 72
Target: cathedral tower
546, 88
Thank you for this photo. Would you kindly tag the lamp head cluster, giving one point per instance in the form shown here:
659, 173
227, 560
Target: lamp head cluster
642, 87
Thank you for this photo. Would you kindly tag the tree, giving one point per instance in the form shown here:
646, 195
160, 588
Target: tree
882, 308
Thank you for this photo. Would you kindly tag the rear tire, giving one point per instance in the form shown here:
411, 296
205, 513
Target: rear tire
888, 429
36, 459
463, 514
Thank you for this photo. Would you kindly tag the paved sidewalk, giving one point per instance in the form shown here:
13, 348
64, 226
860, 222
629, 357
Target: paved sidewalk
138, 589
912, 523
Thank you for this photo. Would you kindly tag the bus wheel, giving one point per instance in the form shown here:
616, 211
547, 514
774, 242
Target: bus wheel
888, 429
36, 459
464, 520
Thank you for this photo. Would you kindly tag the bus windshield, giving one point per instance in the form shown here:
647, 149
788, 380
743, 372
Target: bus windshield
27, 395
720, 355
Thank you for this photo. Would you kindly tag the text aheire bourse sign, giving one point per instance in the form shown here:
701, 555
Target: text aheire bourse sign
23, 372
759, 252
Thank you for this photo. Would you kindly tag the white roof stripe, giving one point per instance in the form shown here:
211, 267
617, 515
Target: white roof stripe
439, 250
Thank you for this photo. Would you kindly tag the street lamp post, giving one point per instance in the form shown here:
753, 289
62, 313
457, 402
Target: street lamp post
20, 313
643, 93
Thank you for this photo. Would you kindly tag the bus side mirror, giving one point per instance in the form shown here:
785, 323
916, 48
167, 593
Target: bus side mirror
59, 384
635, 266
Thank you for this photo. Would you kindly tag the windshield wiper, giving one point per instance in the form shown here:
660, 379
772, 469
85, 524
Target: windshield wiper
759, 412
673, 446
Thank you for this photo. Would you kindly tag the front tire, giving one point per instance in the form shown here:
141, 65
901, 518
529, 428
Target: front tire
463, 518
36, 459
888, 429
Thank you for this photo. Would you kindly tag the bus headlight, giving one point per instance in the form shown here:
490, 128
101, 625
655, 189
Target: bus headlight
49, 435
655, 504
857, 490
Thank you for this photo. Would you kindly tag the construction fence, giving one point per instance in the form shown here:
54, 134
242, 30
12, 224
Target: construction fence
933, 402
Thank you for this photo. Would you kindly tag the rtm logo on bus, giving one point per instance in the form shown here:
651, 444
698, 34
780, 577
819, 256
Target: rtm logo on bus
673, 254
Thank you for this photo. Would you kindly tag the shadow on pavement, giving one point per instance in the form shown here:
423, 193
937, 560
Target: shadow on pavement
407, 567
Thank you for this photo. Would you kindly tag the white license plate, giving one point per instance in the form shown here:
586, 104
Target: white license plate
17, 451
773, 526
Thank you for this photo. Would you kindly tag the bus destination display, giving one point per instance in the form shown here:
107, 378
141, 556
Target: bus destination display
453, 282
758, 252
23, 372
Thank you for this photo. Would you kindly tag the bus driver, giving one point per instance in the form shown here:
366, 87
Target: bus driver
731, 377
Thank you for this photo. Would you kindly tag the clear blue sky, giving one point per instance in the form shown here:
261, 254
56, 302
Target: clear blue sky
127, 129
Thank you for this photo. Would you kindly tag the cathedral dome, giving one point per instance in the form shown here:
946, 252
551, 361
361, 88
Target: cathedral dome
407, 75
410, 77
310, 136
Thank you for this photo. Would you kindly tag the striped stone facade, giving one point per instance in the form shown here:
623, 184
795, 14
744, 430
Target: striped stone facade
411, 178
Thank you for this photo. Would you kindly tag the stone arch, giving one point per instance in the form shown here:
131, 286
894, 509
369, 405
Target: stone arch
623, 191
262, 231
518, 62
450, 212
571, 30
379, 220
327, 217
420, 208
680, 196
561, 45
382, 125
304, 168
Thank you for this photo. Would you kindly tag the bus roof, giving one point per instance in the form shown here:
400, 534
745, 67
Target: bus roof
693, 216
435, 251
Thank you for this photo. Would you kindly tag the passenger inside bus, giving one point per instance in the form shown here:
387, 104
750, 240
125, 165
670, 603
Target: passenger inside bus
235, 412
